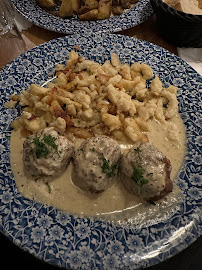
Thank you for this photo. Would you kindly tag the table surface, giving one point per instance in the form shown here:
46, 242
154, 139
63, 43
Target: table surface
190, 258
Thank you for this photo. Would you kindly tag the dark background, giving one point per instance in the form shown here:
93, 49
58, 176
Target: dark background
12, 256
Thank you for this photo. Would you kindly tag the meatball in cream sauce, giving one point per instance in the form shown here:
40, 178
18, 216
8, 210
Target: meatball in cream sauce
145, 172
47, 153
96, 164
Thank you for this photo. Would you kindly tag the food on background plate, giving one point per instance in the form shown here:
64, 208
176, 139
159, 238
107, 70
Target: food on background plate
47, 153
96, 163
187, 6
66, 9
87, 9
145, 172
46, 3
104, 110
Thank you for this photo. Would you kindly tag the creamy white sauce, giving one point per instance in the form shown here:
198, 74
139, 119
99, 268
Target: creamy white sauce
115, 204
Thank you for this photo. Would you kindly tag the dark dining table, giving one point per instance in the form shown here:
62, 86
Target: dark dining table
14, 257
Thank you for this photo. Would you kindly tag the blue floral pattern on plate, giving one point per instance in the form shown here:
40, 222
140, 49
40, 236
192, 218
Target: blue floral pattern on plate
136, 15
81, 243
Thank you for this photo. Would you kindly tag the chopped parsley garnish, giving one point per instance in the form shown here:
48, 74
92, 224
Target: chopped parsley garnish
49, 187
93, 149
137, 150
36, 178
138, 176
8, 137
109, 170
50, 141
41, 148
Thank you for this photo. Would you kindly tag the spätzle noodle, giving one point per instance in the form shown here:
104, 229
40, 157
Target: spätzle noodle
88, 98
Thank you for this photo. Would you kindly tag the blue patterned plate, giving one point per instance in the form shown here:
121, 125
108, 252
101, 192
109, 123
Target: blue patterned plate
82, 243
136, 15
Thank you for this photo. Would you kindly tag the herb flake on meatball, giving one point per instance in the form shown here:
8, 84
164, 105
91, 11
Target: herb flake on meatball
47, 153
95, 164
145, 172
